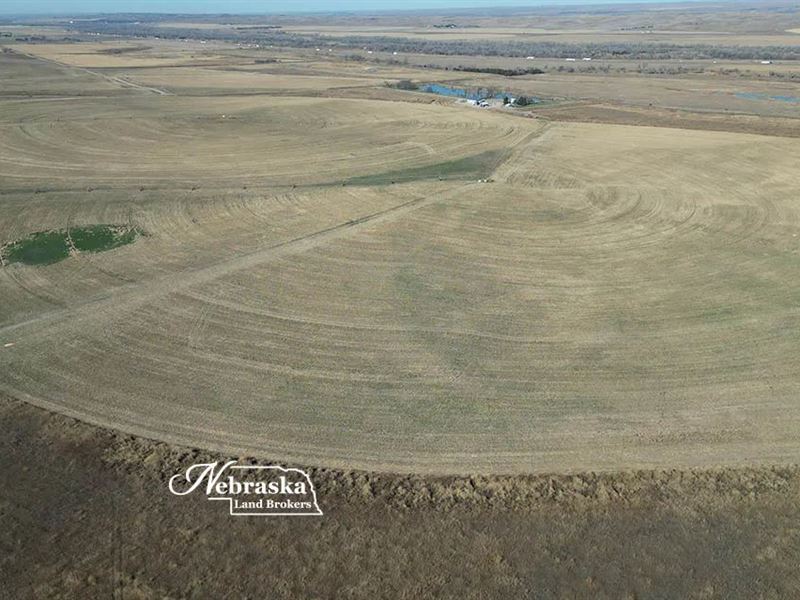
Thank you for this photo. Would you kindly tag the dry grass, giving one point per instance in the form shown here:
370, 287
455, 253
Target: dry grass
716, 533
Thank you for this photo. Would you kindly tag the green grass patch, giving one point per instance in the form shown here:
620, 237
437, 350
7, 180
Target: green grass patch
99, 238
477, 166
41, 248
48, 247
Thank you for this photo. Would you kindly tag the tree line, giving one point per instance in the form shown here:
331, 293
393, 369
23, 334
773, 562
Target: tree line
277, 37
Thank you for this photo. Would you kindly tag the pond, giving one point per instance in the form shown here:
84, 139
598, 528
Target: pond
777, 98
466, 93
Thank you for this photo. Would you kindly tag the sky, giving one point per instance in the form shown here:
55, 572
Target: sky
265, 6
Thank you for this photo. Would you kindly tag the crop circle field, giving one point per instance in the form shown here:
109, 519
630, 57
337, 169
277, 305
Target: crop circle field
407, 287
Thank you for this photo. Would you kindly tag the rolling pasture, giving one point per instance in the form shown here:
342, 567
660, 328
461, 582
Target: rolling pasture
411, 286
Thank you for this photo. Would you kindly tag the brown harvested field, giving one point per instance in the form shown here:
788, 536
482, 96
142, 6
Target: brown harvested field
21, 75
617, 297
591, 112
212, 142
122, 54
211, 80
532, 352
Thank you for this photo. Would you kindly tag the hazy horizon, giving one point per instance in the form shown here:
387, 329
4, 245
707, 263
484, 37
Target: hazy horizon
59, 7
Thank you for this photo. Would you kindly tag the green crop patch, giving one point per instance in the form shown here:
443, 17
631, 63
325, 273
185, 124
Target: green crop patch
48, 247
